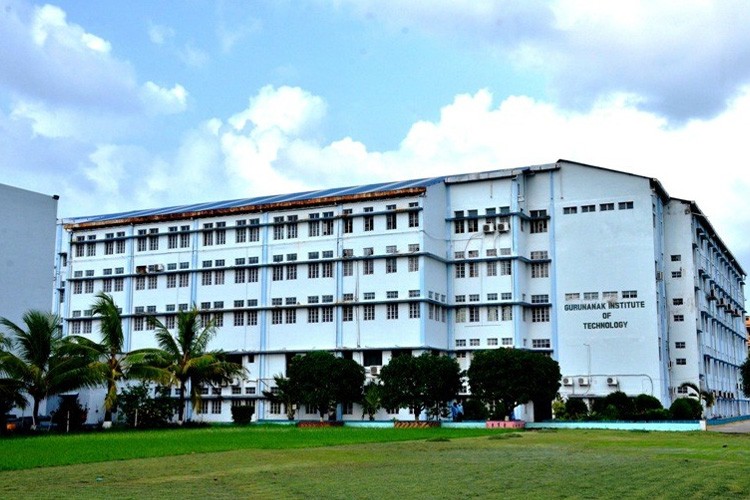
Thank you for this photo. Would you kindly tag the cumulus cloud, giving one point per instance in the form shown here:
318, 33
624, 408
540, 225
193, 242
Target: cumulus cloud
683, 59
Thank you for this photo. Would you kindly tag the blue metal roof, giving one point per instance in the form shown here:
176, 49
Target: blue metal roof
264, 200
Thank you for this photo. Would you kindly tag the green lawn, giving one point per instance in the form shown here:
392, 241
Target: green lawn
280, 462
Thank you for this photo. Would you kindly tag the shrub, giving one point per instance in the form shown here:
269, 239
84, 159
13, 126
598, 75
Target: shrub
575, 409
686, 409
475, 410
644, 402
242, 415
615, 406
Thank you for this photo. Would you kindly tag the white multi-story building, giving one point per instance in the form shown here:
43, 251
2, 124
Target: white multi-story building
627, 288
27, 245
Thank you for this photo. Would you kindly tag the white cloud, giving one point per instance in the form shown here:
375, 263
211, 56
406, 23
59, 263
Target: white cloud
291, 110
160, 100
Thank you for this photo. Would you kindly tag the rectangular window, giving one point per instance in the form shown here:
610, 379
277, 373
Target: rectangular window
676, 258
606, 207
540, 343
327, 227
207, 278
460, 342
252, 275
505, 268
313, 271
625, 205
347, 313
184, 279
540, 270
326, 314
679, 345
588, 208
460, 270
570, 210
239, 318
677, 274
473, 269
368, 223
277, 274
252, 318
540, 315
506, 313
474, 314
681, 361
609, 295
291, 316
492, 269
391, 265
572, 296
312, 315
493, 313
390, 221
152, 282
679, 317
590, 295
677, 302
629, 294
119, 284
392, 311
413, 219
368, 312
540, 299
413, 264
414, 310
539, 226
140, 283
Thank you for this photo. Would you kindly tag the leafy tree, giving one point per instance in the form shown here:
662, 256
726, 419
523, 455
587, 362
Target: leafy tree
506, 378
108, 362
141, 409
423, 382
285, 393
184, 359
40, 359
323, 380
745, 374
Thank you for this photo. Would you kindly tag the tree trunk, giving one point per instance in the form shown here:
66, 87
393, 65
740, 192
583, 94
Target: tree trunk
181, 408
35, 413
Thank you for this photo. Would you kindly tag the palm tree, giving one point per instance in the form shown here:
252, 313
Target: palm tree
108, 363
39, 359
186, 358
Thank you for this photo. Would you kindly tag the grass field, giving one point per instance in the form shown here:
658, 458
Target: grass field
282, 462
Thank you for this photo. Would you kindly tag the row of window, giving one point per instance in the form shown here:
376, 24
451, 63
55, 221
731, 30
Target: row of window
215, 234
609, 295
603, 207
505, 341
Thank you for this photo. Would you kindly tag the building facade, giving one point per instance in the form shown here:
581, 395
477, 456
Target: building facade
27, 246
627, 288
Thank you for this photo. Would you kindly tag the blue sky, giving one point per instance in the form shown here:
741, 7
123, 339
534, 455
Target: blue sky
123, 105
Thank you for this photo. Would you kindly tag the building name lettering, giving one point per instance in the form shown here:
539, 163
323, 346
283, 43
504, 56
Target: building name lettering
628, 304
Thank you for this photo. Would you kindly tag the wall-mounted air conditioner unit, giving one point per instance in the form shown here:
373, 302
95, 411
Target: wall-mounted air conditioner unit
503, 227
488, 228
374, 370
583, 381
567, 381
612, 381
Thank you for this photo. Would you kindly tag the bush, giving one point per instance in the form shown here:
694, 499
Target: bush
575, 409
644, 402
141, 410
242, 415
475, 410
615, 406
686, 409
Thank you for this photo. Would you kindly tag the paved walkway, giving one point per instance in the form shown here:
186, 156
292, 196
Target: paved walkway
741, 427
